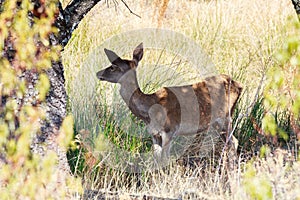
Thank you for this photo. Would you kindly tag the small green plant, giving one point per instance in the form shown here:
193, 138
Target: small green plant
257, 186
250, 132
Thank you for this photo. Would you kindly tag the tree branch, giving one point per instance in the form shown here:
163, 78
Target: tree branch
130, 9
296, 4
70, 17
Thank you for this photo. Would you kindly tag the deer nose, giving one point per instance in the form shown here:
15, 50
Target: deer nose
100, 75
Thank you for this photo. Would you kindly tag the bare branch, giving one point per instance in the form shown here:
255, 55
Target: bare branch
130, 9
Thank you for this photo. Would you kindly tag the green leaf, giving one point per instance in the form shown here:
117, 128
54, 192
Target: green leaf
43, 86
66, 131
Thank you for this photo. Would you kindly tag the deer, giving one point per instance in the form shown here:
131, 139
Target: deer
173, 111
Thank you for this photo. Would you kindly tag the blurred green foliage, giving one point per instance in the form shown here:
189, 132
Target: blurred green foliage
25, 175
279, 113
282, 92
257, 186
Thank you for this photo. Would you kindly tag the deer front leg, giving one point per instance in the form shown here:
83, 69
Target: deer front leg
166, 144
161, 138
161, 145
157, 145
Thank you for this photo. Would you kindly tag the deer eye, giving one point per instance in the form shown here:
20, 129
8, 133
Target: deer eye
113, 68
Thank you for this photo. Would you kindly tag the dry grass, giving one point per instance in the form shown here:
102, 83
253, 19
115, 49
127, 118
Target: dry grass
272, 177
241, 38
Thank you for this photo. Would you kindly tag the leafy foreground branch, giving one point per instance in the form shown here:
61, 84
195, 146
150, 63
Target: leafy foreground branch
33, 98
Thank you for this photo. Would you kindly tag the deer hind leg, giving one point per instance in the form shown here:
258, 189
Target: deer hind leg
228, 150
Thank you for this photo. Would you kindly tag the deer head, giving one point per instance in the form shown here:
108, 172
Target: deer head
119, 66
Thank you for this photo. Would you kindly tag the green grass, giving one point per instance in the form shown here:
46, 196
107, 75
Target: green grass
251, 135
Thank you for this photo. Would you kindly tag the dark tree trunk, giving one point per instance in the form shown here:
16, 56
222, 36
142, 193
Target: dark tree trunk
66, 21
296, 4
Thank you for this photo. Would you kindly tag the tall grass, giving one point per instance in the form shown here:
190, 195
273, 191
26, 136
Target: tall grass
241, 38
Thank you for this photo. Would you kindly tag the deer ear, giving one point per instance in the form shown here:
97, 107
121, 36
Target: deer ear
138, 53
112, 56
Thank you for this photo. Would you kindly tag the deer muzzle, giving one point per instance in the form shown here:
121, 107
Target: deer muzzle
100, 75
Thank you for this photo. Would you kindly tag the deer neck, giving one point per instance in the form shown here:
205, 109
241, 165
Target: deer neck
138, 102
129, 85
